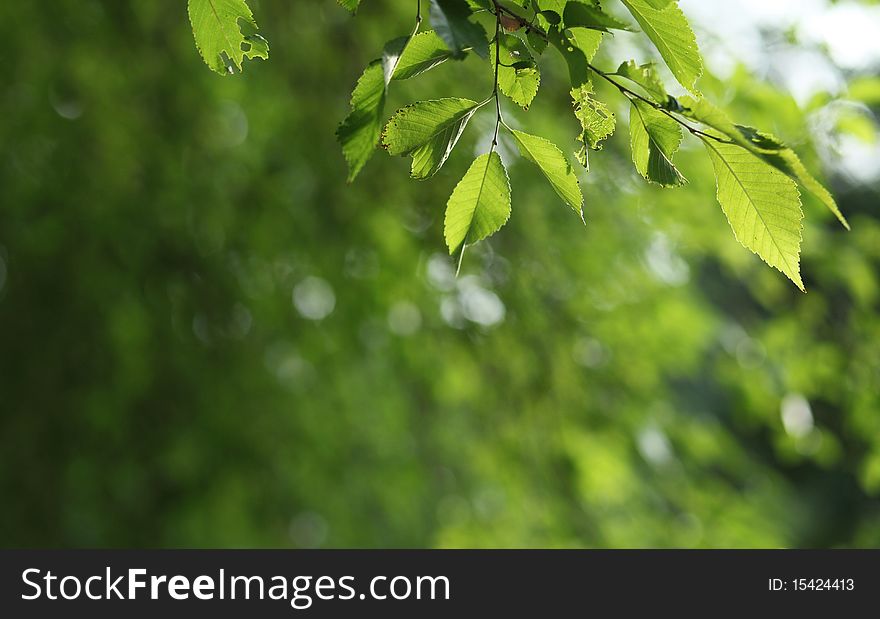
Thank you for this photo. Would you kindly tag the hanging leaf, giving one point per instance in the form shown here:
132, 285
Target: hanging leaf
669, 30
764, 145
427, 131
521, 82
769, 148
391, 54
577, 46
556, 7
654, 138
762, 206
709, 114
787, 161
479, 204
450, 21
597, 121
555, 167
645, 76
424, 51
359, 132
581, 14
537, 42
757, 175
217, 27
403, 58
350, 5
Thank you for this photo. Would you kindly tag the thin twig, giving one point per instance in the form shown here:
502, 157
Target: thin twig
629, 93
496, 94
418, 19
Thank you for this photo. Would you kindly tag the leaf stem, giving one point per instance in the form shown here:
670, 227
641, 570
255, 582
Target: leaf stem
627, 92
499, 120
495, 92
529, 25
631, 94
418, 19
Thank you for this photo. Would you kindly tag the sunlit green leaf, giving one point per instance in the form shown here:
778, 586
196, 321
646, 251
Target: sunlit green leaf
671, 33
555, 167
645, 76
424, 51
359, 132
520, 84
654, 138
763, 145
577, 46
479, 204
391, 54
350, 5
597, 121
222, 30
773, 151
427, 131
762, 205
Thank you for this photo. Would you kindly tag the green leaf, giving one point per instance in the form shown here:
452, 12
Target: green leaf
671, 33
424, 51
762, 206
402, 58
654, 138
391, 54
427, 131
577, 46
550, 18
789, 163
555, 167
597, 121
586, 40
581, 14
702, 110
537, 42
359, 132
450, 20
350, 5
217, 28
479, 204
764, 145
554, 6
769, 148
645, 76
520, 84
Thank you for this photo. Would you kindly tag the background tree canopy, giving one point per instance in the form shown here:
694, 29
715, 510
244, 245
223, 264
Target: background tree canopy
209, 338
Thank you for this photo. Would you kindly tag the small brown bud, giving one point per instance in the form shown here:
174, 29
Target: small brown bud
510, 23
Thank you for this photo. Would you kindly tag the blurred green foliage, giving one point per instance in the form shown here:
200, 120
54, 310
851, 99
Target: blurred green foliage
208, 339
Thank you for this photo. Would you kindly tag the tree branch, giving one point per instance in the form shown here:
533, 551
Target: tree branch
631, 94
495, 93
627, 92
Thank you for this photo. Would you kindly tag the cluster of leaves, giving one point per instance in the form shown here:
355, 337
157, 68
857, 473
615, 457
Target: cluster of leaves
757, 175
